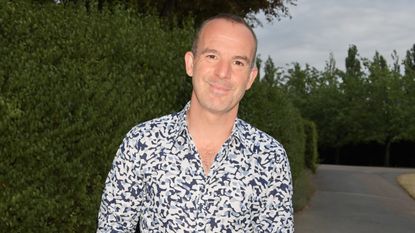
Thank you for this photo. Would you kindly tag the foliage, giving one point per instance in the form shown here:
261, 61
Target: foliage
369, 102
270, 72
303, 190
268, 108
72, 83
311, 147
198, 9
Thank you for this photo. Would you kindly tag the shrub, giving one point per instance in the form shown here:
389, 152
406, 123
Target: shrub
311, 147
269, 109
72, 84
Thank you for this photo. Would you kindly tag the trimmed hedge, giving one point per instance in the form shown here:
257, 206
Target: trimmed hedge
311, 147
269, 109
72, 83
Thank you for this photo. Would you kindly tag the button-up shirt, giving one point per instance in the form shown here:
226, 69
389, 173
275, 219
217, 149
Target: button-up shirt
157, 182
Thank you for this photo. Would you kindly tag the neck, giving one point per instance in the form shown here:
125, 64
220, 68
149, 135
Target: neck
209, 128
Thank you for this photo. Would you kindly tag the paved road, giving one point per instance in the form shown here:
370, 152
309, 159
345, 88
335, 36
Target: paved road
353, 199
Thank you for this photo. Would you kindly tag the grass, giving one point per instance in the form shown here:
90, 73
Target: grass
303, 190
407, 181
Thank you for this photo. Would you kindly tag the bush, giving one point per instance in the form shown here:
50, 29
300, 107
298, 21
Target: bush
311, 147
72, 84
269, 109
303, 189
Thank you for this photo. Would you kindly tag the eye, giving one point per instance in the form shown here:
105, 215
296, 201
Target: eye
211, 56
239, 63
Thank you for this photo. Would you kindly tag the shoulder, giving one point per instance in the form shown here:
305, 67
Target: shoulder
253, 135
272, 162
157, 127
148, 136
260, 143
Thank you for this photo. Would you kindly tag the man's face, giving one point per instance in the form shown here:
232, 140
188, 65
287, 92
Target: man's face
221, 68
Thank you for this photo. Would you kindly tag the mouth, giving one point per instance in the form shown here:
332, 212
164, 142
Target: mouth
219, 88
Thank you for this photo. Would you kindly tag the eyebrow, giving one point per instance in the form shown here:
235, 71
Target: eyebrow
208, 50
245, 58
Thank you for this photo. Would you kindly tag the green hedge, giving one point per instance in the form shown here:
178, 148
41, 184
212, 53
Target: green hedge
72, 83
269, 109
311, 147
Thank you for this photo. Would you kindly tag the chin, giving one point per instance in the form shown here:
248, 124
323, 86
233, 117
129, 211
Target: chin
223, 108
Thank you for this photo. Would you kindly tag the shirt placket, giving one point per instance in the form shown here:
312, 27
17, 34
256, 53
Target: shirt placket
205, 201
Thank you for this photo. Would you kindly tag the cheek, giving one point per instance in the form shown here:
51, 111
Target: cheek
199, 71
244, 83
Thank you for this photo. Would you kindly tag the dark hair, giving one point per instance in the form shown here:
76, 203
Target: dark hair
228, 17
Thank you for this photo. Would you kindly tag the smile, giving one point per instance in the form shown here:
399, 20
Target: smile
219, 88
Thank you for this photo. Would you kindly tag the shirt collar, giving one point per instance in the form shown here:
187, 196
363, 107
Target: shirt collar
181, 123
238, 131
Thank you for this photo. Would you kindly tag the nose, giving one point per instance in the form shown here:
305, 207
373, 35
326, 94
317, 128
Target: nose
223, 69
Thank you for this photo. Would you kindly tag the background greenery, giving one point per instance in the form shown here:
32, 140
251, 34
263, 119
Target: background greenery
73, 81
368, 106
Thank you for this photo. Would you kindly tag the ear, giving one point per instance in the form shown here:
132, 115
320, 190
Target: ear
188, 59
252, 75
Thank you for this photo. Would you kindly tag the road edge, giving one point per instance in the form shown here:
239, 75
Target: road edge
407, 182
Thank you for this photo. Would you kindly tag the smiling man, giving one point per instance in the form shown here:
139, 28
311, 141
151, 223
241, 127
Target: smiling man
203, 169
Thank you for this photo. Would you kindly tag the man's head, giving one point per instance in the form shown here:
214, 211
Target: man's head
231, 18
222, 64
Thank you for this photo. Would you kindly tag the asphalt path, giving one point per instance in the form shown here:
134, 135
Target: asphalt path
351, 199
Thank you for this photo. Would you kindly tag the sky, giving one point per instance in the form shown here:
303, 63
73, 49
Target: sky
320, 27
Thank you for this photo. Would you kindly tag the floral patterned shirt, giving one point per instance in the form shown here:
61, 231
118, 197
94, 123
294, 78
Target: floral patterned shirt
157, 182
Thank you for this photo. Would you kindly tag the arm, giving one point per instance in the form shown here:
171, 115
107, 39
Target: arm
121, 199
276, 202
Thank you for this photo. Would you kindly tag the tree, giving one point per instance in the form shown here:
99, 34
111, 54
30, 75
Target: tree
385, 104
326, 107
353, 67
258, 63
270, 72
353, 88
409, 62
408, 82
299, 84
201, 9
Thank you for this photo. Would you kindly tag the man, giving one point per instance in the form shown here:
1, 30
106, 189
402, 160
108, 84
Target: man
203, 169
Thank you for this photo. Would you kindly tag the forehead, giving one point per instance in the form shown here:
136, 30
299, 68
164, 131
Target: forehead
227, 33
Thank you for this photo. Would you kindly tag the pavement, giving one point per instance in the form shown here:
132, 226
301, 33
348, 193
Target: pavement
353, 199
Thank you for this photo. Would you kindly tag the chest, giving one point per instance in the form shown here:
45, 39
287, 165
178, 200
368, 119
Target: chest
176, 189
180, 180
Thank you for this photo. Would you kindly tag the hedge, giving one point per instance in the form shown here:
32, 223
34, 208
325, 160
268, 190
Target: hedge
311, 147
269, 109
72, 83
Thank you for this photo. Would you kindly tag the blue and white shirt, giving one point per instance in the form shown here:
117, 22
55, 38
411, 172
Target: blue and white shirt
157, 182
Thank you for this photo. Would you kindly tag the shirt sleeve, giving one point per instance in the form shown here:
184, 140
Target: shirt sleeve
276, 214
121, 199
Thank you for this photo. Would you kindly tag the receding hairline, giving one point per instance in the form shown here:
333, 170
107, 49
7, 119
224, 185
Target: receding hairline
230, 18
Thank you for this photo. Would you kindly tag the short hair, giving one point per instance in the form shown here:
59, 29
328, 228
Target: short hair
228, 17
